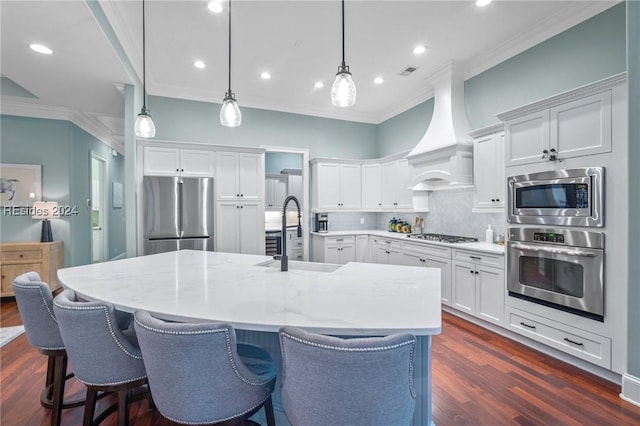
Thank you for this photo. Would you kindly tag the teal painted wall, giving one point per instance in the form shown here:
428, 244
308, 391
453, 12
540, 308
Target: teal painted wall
191, 121
63, 151
590, 51
274, 162
404, 131
633, 76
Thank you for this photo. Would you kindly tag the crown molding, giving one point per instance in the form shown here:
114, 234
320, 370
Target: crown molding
487, 130
567, 18
22, 107
564, 97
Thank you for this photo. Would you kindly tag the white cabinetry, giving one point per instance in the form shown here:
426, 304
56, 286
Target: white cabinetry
240, 202
165, 161
395, 185
431, 256
276, 191
489, 173
339, 249
362, 248
371, 186
387, 251
564, 126
478, 284
295, 246
240, 175
580, 343
240, 227
336, 185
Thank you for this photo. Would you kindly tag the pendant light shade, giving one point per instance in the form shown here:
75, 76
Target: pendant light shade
343, 91
230, 115
144, 126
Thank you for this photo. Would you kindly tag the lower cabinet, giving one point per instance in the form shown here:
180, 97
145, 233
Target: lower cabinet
362, 248
478, 284
431, 257
240, 227
579, 343
338, 250
18, 258
295, 246
387, 251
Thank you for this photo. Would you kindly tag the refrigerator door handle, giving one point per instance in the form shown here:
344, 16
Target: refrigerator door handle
180, 208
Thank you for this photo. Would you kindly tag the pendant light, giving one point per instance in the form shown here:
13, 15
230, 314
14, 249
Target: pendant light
144, 124
343, 91
230, 115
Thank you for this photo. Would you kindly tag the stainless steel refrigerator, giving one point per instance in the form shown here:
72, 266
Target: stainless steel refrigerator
178, 214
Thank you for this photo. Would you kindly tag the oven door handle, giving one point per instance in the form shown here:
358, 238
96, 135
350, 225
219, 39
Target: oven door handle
553, 250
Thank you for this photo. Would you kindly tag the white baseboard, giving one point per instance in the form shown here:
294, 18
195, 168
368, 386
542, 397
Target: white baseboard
630, 389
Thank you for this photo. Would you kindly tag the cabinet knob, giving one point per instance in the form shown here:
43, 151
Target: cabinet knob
237, 195
21, 255
242, 207
493, 200
242, 195
182, 170
177, 170
497, 200
471, 272
237, 207
476, 272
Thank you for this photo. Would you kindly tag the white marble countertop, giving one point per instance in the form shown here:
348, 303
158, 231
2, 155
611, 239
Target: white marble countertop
355, 299
479, 246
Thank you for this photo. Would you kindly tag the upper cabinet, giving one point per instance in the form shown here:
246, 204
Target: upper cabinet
336, 185
395, 185
489, 170
240, 175
571, 124
369, 185
164, 161
275, 190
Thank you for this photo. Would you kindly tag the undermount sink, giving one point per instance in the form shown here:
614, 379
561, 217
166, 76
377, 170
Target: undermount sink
302, 266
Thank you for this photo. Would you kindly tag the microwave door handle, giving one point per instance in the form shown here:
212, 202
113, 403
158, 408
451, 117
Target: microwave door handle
553, 250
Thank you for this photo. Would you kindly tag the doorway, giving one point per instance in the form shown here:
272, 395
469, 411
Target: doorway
292, 166
99, 210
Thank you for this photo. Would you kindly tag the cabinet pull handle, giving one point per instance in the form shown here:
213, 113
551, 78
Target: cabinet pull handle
545, 154
475, 257
340, 239
566, 339
524, 324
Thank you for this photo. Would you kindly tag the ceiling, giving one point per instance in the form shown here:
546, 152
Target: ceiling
297, 41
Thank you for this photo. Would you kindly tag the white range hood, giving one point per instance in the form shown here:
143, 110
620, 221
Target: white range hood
443, 159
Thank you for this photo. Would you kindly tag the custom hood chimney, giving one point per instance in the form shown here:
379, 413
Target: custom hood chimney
443, 157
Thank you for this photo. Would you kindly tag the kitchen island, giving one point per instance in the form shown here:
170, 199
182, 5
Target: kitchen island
251, 293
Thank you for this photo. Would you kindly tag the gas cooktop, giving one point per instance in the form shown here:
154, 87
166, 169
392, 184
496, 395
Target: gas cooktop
443, 238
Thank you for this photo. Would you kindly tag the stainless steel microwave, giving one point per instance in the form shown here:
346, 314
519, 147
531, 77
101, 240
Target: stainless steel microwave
569, 197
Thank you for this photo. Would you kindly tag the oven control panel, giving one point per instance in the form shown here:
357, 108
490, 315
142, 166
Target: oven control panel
548, 237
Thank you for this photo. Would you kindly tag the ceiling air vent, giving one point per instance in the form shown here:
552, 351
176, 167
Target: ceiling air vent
407, 70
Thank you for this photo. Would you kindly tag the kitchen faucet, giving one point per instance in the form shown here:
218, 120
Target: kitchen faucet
284, 260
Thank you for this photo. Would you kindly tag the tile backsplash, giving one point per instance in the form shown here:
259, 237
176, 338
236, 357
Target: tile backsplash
449, 213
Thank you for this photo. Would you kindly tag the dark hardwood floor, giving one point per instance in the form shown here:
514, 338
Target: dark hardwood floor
479, 378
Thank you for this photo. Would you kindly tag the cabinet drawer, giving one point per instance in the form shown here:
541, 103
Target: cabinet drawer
348, 239
428, 250
392, 244
9, 256
579, 343
480, 258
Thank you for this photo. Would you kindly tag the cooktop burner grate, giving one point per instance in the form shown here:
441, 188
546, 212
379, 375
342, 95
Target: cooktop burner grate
443, 238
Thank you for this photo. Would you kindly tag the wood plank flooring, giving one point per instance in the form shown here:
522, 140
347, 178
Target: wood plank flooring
479, 378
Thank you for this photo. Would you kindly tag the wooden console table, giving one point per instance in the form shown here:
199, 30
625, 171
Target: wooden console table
18, 258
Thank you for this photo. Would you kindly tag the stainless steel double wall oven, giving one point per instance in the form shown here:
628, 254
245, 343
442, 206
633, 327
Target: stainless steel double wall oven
555, 264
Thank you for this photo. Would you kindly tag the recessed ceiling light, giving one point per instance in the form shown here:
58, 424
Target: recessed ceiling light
419, 50
481, 3
215, 6
378, 80
265, 76
199, 64
41, 49
318, 85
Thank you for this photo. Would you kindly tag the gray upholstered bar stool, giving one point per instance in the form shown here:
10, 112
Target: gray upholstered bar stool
35, 304
330, 381
104, 358
198, 375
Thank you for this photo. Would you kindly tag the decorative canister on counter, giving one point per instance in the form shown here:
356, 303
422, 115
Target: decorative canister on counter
392, 224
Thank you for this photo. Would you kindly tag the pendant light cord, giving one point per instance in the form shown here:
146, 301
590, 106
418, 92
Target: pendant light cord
343, 63
229, 47
144, 66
